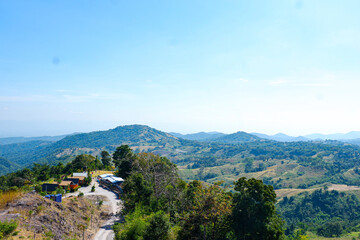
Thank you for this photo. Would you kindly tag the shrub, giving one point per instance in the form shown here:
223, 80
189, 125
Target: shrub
60, 190
158, 227
38, 188
93, 188
7, 229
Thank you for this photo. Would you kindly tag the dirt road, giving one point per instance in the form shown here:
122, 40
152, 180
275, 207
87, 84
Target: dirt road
115, 204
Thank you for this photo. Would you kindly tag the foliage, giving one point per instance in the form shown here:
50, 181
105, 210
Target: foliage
82, 162
105, 158
123, 159
7, 229
254, 215
60, 190
134, 227
209, 213
156, 201
87, 180
158, 227
327, 213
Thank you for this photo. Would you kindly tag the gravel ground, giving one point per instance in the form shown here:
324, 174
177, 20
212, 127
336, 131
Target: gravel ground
115, 204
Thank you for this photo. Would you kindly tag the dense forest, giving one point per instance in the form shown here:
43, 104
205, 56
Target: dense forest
327, 213
159, 205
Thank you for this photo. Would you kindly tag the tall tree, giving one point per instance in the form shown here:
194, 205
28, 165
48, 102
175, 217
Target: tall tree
105, 158
254, 215
209, 214
82, 162
123, 159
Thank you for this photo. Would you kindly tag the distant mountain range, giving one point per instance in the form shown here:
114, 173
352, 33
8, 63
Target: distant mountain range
11, 140
350, 137
201, 136
20, 152
281, 137
335, 136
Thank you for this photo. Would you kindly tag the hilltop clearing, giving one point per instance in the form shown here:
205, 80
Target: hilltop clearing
45, 218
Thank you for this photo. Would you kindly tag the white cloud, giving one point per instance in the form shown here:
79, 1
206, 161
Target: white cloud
30, 98
324, 80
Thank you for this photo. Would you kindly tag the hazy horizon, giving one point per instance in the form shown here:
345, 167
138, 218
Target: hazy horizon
287, 66
49, 130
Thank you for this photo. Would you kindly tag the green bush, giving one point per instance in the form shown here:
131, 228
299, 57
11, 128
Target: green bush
7, 229
158, 227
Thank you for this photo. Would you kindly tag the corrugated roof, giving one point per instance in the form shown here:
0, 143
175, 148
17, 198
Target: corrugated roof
65, 183
113, 179
83, 174
79, 177
105, 175
119, 179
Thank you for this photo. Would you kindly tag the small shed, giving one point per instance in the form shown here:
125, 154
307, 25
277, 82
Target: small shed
49, 187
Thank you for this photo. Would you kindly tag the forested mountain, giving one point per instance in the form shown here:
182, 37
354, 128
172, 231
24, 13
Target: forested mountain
200, 136
238, 137
133, 135
140, 137
7, 166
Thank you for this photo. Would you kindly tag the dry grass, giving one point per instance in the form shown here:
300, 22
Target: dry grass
9, 196
100, 172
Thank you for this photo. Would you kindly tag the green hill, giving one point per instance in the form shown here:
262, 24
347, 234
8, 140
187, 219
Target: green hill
133, 135
141, 138
239, 137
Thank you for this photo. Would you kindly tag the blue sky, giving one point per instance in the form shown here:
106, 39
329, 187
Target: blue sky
184, 66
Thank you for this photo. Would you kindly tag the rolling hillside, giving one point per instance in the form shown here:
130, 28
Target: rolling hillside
297, 165
141, 138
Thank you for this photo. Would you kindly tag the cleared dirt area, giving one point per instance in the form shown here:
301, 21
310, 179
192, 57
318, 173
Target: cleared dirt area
41, 218
343, 187
280, 193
